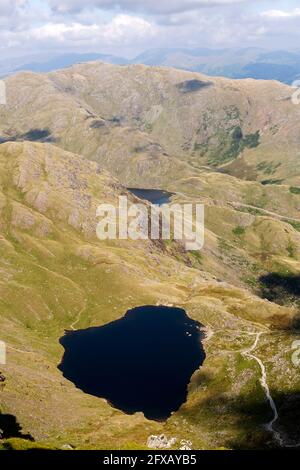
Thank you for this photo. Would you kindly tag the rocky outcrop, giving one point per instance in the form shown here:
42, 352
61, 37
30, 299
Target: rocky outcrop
160, 442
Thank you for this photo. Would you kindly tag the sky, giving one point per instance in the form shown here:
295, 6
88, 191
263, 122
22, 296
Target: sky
128, 27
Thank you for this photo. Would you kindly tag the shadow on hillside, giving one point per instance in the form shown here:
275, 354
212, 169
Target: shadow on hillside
34, 135
190, 86
9, 427
239, 423
280, 288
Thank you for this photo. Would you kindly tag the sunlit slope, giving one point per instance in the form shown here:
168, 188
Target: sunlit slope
55, 275
251, 229
147, 118
158, 127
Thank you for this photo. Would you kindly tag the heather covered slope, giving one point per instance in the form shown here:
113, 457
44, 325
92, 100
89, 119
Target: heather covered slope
159, 122
56, 274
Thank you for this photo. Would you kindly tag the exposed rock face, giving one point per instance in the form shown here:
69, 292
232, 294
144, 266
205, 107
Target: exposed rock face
67, 447
160, 442
185, 444
42, 173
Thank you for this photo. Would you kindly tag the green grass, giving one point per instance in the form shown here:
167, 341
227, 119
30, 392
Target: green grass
250, 210
196, 258
294, 190
226, 145
251, 141
232, 112
239, 231
224, 246
22, 444
46, 283
294, 224
251, 281
291, 249
268, 168
272, 181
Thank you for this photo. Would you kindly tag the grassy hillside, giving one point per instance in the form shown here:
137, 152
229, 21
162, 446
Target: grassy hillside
75, 138
150, 125
55, 273
182, 131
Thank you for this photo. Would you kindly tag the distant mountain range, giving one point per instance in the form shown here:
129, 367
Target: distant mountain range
38, 65
232, 63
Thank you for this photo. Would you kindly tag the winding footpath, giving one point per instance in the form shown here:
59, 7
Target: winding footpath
72, 326
265, 212
247, 353
263, 380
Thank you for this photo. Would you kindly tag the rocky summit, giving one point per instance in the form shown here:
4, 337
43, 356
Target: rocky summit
150, 124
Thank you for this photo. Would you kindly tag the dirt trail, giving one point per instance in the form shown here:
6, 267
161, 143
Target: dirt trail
263, 380
265, 212
77, 319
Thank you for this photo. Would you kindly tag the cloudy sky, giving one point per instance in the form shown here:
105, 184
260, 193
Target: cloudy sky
127, 27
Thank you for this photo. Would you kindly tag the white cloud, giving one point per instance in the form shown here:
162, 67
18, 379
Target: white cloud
148, 6
122, 29
133, 25
60, 31
125, 27
8, 7
279, 14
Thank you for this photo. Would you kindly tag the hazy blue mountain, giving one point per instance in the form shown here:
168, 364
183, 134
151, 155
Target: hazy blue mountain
66, 60
232, 63
269, 71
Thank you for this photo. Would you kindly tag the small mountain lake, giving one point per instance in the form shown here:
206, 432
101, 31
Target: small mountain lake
142, 362
155, 196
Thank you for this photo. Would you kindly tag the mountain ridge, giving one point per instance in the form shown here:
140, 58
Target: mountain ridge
232, 63
236, 126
